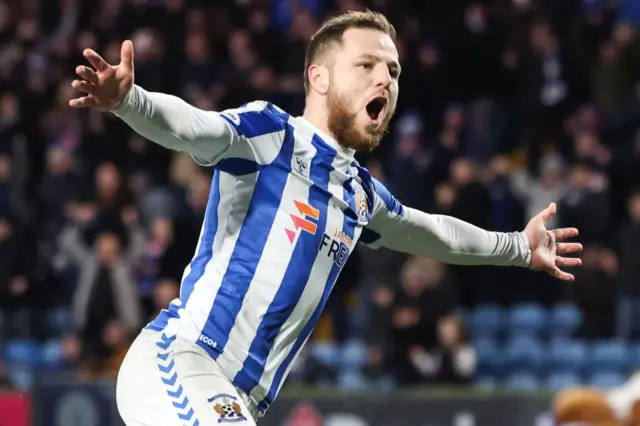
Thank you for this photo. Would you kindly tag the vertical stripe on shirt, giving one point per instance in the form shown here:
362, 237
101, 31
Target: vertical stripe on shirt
248, 249
298, 271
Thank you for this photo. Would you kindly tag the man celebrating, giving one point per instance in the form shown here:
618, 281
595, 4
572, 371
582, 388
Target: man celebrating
288, 203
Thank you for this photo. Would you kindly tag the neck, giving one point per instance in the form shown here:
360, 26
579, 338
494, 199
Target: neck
317, 116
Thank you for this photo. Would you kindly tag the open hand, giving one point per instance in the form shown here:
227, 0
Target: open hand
546, 246
106, 86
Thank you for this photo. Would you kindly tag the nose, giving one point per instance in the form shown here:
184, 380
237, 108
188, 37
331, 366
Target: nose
382, 76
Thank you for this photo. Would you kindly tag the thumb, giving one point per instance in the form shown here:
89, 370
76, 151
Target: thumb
549, 212
126, 55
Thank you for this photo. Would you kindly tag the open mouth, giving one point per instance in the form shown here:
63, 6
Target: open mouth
375, 108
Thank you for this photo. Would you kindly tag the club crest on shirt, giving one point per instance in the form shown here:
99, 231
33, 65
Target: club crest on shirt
362, 205
228, 408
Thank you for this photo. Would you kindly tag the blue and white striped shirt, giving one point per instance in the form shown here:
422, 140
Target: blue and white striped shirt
287, 206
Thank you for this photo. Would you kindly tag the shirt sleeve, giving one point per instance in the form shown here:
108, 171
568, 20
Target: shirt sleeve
254, 132
440, 237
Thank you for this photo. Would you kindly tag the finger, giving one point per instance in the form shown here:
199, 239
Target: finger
85, 102
564, 233
87, 74
561, 275
96, 60
564, 248
549, 212
84, 86
126, 55
568, 262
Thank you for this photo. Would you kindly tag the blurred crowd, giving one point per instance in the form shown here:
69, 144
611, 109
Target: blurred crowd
505, 106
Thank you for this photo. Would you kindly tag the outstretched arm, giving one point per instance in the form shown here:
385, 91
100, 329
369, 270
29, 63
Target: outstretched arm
173, 123
448, 239
253, 132
454, 241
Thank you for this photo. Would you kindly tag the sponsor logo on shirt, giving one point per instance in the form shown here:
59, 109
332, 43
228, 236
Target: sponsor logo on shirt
305, 221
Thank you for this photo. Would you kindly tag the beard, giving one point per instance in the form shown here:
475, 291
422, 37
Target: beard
343, 125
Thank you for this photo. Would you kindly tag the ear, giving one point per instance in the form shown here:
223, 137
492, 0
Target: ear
319, 78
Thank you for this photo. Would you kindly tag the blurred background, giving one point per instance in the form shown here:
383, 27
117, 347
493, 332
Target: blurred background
505, 106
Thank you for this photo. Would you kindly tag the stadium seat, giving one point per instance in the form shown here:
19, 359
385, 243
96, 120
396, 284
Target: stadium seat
606, 380
25, 352
611, 355
353, 354
352, 380
522, 382
567, 356
490, 356
634, 357
58, 322
326, 353
22, 376
486, 320
524, 353
527, 318
565, 320
486, 383
384, 383
562, 380
51, 353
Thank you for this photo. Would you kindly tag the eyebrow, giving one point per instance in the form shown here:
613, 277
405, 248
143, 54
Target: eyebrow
393, 64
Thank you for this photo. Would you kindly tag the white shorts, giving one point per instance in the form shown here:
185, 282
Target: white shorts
166, 381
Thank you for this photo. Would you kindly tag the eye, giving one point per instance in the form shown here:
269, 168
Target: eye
366, 65
394, 72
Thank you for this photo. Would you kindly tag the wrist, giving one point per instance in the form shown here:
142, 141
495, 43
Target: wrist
126, 102
524, 245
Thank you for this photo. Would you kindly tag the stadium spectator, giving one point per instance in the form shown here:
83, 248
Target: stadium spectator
453, 360
163, 293
628, 306
16, 295
424, 295
595, 293
105, 305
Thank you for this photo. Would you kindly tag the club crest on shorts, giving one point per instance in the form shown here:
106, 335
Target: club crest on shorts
228, 408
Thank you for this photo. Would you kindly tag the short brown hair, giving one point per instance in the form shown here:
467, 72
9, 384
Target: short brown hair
331, 31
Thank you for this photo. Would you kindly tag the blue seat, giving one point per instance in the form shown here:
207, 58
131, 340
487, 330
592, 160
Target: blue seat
383, 384
522, 382
352, 380
524, 353
58, 322
611, 355
51, 353
567, 356
565, 320
486, 320
326, 353
562, 380
486, 382
527, 318
25, 352
634, 357
606, 379
490, 356
22, 376
353, 354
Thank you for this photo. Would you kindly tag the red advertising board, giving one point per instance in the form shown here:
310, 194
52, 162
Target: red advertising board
14, 409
